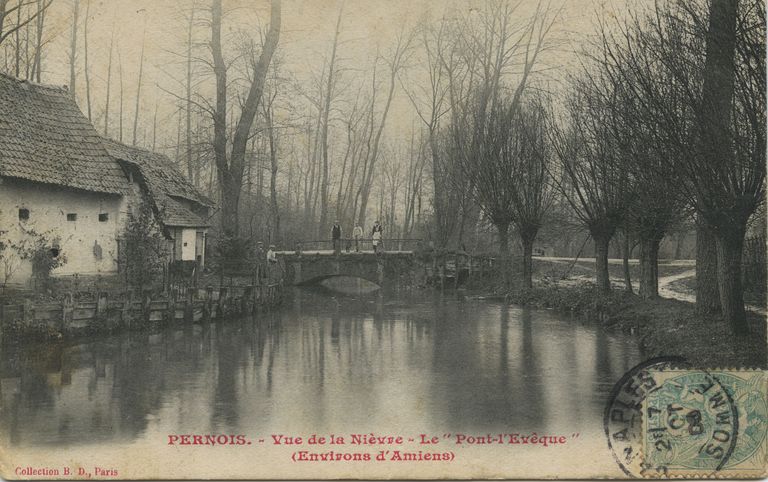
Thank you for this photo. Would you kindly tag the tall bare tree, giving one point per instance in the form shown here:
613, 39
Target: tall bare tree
109, 83
73, 50
591, 176
327, 100
711, 56
86, 67
230, 165
138, 90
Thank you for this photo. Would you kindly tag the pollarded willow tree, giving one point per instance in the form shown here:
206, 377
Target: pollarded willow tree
591, 173
510, 172
697, 71
654, 203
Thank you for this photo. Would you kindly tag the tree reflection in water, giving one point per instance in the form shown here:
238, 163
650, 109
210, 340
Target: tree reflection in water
328, 361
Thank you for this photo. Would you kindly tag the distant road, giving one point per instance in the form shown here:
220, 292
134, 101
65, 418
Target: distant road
666, 262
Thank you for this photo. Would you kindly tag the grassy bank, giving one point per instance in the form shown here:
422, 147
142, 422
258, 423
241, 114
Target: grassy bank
664, 326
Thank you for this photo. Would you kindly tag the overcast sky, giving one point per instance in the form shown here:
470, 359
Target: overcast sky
307, 33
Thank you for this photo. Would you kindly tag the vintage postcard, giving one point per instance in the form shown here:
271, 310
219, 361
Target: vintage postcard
383, 239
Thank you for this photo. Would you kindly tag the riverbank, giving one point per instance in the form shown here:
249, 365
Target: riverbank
99, 312
664, 326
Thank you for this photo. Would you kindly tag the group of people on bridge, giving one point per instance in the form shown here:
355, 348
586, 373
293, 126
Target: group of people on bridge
377, 232
266, 265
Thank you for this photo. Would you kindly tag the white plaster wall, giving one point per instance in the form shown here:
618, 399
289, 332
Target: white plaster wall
48, 206
188, 239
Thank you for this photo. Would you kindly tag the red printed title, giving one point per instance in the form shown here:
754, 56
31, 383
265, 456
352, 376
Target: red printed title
357, 447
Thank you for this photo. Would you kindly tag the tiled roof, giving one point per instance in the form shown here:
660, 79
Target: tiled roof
165, 183
159, 171
174, 213
45, 138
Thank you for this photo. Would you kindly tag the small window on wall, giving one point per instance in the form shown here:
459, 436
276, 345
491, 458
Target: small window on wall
103, 217
71, 216
23, 214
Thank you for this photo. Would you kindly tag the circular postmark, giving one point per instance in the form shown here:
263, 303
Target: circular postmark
623, 417
691, 424
664, 418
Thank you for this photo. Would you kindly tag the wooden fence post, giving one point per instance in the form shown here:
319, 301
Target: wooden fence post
442, 272
67, 312
208, 302
146, 306
221, 301
456, 271
29, 314
125, 316
101, 303
246, 304
173, 295
188, 307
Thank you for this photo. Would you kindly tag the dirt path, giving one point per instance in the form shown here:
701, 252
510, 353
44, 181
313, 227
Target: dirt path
667, 292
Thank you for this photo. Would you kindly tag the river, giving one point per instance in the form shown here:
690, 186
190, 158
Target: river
327, 362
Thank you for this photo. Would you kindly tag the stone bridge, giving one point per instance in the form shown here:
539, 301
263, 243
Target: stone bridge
385, 269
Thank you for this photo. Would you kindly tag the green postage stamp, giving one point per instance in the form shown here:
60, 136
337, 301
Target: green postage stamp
705, 423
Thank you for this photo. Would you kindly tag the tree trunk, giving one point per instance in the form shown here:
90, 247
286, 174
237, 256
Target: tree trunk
503, 229
527, 240
649, 267
230, 169
625, 252
120, 71
730, 245
109, 83
326, 114
86, 69
188, 92
230, 203
506, 269
602, 277
73, 50
38, 66
138, 93
273, 208
707, 294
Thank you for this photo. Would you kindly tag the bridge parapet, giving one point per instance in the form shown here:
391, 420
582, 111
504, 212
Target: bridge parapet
384, 269
444, 269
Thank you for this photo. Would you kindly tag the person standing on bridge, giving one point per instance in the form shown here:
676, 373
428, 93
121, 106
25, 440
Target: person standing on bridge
376, 234
336, 237
357, 233
272, 263
261, 259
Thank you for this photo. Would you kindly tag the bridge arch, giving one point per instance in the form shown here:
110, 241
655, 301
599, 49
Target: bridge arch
319, 279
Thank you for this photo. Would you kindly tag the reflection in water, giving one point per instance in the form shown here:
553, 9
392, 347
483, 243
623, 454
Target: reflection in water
349, 285
328, 362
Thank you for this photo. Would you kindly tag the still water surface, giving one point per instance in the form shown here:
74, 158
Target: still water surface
327, 362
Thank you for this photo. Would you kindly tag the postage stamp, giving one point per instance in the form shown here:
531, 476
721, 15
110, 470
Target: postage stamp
705, 424
623, 417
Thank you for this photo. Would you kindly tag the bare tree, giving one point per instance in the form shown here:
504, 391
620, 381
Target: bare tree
327, 99
73, 49
86, 67
39, 17
591, 175
230, 166
138, 89
109, 83
121, 103
8, 8
188, 93
713, 55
